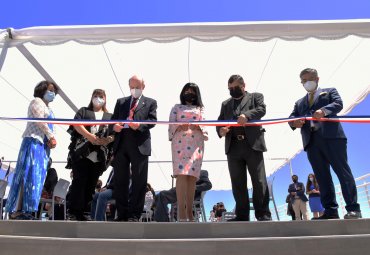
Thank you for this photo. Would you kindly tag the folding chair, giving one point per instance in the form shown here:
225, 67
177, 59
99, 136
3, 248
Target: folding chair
147, 212
3, 185
198, 208
60, 191
271, 198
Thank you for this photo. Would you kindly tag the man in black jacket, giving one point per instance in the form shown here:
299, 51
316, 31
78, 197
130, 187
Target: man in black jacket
131, 150
166, 197
298, 198
244, 147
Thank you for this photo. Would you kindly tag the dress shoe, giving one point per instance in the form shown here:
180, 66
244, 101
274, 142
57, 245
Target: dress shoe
264, 218
76, 217
120, 219
327, 217
133, 219
237, 219
22, 216
353, 215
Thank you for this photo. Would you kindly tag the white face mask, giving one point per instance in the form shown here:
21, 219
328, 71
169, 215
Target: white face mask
310, 86
98, 101
311, 179
136, 93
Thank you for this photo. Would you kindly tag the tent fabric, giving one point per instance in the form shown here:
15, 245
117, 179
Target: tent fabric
205, 32
269, 55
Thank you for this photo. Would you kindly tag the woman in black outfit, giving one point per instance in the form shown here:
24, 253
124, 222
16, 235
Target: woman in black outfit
89, 154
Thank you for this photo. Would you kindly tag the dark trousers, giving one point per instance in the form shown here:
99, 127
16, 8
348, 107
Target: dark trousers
130, 202
323, 153
162, 200
240, 158
85, 177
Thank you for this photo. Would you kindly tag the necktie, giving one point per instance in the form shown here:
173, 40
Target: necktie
132, 108
310, 99
133, 103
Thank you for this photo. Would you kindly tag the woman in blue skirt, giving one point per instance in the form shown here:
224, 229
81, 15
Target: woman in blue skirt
313, 191
33, 157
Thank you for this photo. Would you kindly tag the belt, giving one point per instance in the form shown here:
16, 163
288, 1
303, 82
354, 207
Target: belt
239, 137
313, 129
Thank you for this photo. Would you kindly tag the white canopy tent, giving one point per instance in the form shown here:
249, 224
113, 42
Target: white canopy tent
269, 55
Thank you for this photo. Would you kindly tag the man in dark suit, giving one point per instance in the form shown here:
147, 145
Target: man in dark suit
244, 147
298, 198
132, 147
325, 144
166, 197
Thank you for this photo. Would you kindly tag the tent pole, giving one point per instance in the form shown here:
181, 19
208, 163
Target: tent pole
28, 55
4, 50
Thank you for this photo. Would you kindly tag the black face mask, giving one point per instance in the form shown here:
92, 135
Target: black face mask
236, 92
190, 97
295, 180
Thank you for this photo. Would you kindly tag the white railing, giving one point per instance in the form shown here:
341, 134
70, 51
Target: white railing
363, 196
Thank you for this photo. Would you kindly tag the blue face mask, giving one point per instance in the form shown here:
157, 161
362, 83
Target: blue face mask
49, 96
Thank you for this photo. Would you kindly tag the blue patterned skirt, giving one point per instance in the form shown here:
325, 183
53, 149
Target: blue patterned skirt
30, 172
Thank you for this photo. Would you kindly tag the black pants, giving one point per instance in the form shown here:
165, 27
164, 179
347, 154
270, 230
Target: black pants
323, 153
240, 158
162, 200
85, 177
130, 201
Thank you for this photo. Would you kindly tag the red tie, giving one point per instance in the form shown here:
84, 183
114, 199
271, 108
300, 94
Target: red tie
133, 103
132, 108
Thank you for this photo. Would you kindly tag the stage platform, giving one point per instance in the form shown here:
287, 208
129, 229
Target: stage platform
331, 237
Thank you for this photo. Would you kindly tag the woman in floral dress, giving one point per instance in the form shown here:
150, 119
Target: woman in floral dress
187, 147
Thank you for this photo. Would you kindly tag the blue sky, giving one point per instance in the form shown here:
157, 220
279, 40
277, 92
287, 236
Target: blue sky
19, 14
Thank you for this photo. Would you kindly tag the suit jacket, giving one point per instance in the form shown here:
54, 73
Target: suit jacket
253, 107
80, 147
300, 191
145, 110
330, 101
85, 113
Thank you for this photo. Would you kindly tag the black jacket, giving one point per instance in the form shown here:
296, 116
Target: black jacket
253, 107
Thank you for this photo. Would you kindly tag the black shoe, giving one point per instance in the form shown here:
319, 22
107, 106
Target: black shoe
76, 217
24, 216
237, 219
353, 215
133, 219
264, 218
327, 217
118, 219
86, 218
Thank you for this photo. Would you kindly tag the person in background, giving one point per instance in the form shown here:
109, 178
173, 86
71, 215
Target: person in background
187, 142
50, 181
98, 186
212, 216
220, 209
101, 198
289, 210
313, 192
298, 198
88, 155
33, 157
325, 144
166, 197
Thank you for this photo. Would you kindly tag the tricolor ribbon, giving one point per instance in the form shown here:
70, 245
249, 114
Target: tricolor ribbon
73, 122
